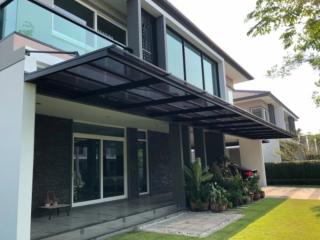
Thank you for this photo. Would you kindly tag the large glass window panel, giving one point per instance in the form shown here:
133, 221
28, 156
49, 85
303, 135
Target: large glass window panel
193, 66
113, 169
110, 30
142, 167
79, 13
210, 70
175, 55
86, 171
76, 11
8, 19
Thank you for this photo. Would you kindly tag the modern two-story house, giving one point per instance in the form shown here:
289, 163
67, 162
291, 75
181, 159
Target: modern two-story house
266, 106
103, 103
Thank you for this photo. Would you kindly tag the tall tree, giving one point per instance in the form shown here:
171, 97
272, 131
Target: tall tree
298, 21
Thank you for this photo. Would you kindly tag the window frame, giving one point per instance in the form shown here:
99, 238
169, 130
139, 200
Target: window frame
264, 110
203, 56
101, 199
96, 13
147, 160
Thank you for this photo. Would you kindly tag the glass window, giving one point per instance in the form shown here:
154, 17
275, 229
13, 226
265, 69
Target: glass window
66, 30
76, 11
260, 112
110, 30
175, 55
210, 71
193, 66
149, 38
86, 170
142, 167
113, 169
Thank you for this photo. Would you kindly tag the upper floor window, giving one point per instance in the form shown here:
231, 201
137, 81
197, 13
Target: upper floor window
111, 30
210, 74
87, 17
149, 38
190, 64
193, 66
260, 112
175, 55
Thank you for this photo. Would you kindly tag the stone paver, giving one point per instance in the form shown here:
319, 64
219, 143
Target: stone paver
293, 192
200, 224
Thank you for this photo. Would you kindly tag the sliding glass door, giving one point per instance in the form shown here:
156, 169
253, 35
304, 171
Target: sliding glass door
86, 177
113, 169
99, 169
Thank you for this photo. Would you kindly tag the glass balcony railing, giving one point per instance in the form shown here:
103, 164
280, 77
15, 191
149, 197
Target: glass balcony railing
48, 26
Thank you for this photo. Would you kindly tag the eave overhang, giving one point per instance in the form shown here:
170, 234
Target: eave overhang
115, 79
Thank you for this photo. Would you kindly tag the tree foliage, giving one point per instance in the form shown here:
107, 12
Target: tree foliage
298, 21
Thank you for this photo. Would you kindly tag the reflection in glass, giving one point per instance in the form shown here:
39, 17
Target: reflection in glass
175, 55
210, 70
86, 180
193, 66
142, 167
113, 169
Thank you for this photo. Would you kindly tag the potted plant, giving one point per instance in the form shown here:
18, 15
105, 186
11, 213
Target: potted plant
219, 201
254, 187
197, 186
262, 194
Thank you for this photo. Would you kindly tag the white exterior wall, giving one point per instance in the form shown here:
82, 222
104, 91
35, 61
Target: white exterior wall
17, 105
271, 151
252, 157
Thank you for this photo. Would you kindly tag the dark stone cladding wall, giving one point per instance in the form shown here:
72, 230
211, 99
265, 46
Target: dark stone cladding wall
52, 160
160, 173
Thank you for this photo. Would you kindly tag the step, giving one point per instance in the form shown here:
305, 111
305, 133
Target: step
102, 230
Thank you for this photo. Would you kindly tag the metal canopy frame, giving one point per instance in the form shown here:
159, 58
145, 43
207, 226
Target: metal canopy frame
115, 79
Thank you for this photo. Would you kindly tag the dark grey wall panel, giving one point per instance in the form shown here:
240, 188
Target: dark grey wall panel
160, 172
199, 146
177, 164
52, 159
132, 159
186, 145
214, 147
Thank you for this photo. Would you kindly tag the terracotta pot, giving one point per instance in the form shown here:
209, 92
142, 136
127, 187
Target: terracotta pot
256, 196
202, 207
262, 194
218, 207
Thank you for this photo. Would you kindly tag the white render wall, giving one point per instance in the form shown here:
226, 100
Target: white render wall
252, 157
17, 106
271, 151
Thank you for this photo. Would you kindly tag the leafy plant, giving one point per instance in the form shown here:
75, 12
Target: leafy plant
235, 188
253, 184
197, 183
218, 195
299, 25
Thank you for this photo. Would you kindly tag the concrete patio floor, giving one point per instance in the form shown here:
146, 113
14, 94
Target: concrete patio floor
307, 193
193, 224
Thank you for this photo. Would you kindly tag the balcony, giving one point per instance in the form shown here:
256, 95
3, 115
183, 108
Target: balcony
50, 26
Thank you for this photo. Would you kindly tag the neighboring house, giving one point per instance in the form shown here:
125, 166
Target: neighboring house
103, 102
266, 106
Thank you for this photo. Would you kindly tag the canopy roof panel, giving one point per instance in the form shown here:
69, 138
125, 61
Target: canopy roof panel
115, 79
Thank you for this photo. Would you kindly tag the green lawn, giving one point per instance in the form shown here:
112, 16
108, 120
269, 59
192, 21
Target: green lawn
276, 219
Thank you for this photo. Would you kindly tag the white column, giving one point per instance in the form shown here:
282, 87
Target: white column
252, 157
17, 106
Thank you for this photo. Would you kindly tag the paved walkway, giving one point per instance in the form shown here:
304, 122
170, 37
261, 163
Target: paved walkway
194, 224
293, 192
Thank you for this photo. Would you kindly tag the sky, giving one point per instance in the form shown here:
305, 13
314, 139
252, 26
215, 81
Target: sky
223, 21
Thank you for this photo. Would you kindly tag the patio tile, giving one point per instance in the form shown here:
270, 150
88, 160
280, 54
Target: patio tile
193, 224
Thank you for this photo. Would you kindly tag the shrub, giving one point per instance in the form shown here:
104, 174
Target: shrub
295, 172
197, 184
